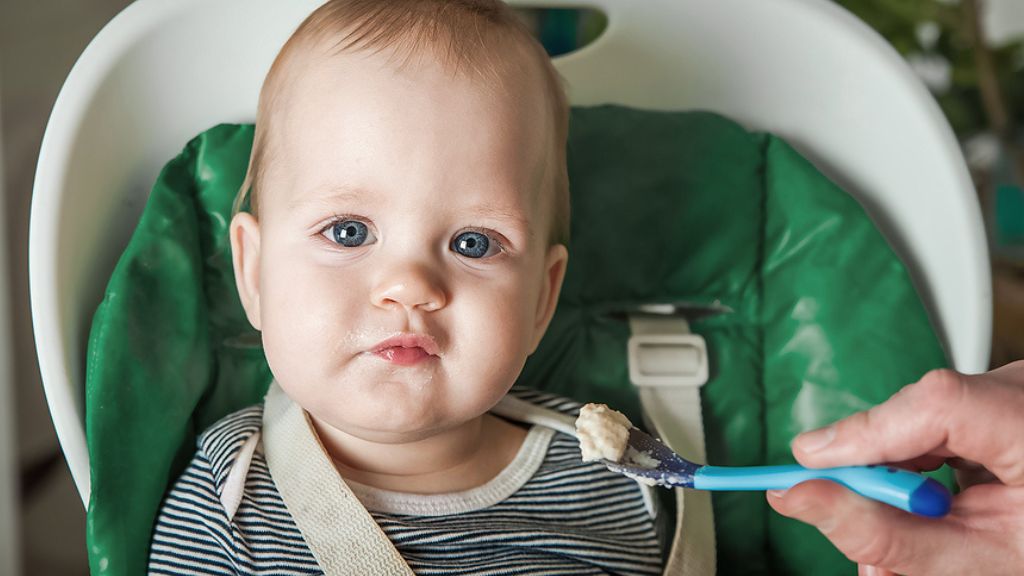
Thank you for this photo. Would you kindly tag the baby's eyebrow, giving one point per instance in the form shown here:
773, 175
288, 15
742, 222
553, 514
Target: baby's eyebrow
500, 213
330, 195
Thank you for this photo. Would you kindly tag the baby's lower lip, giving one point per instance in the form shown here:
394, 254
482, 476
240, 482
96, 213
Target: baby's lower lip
403, 356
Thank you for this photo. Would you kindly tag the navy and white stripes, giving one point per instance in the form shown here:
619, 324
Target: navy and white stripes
569, 517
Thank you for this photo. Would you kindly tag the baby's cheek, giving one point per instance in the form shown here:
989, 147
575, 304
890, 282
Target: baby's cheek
496, 340
285, 349
296, 332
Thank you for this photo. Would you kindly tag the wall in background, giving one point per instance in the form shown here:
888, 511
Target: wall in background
39, 42
10, 555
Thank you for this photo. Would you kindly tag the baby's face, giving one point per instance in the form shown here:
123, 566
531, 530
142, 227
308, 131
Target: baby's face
400, 270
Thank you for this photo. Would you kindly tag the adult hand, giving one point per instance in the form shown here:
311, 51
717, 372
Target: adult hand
973, 423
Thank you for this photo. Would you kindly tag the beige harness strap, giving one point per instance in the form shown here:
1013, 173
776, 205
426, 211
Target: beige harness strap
668, 365
344, 538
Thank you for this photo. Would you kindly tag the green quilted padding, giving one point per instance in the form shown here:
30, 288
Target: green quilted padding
816, 319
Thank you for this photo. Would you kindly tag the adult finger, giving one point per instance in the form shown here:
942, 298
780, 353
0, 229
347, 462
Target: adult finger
974, 417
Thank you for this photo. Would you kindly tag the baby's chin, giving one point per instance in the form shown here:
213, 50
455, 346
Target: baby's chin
393, 428
393, 412
393, 407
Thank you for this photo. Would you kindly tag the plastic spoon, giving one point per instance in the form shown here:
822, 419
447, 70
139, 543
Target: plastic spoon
650, 461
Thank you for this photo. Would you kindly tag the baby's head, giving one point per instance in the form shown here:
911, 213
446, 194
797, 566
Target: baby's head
408, 195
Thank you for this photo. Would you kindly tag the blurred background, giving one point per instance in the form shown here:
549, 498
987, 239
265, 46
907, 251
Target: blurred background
970, 54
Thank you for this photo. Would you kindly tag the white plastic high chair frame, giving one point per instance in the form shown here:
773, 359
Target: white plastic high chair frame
164, 70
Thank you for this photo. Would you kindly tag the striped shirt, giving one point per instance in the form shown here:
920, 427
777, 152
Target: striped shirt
547, 512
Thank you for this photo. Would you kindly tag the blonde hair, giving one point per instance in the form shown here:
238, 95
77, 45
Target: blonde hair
465, 35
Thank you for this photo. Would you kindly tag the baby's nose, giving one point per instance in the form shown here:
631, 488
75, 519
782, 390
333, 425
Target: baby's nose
412, 287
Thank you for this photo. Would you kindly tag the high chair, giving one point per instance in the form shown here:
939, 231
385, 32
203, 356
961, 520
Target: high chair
164, 70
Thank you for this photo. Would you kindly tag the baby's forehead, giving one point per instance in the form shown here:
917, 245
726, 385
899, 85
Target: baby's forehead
508, 74
365, 104
482, 40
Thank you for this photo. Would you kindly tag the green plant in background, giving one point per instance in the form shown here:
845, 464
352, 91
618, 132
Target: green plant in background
980, 88
983, 83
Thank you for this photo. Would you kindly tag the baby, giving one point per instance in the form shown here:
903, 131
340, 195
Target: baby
402, 255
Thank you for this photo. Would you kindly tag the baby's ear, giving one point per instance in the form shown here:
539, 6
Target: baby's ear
554, 272
245, 256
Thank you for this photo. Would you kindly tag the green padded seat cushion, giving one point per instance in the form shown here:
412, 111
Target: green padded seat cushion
816, 316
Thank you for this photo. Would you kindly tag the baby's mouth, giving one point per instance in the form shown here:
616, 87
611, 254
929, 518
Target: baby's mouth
403, 356
406, 349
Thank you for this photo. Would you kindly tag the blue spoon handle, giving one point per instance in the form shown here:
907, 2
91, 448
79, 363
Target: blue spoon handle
903, 489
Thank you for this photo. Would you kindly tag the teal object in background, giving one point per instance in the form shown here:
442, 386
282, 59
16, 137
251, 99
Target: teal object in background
563, 30
1009, 215
820, 319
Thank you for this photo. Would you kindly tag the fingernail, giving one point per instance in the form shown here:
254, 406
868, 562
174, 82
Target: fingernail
815, 440
777, 493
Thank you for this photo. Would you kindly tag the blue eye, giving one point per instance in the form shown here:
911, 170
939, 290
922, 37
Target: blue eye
350, 233
474, 245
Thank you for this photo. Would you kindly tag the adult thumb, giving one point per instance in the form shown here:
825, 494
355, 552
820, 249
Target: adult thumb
873, 534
